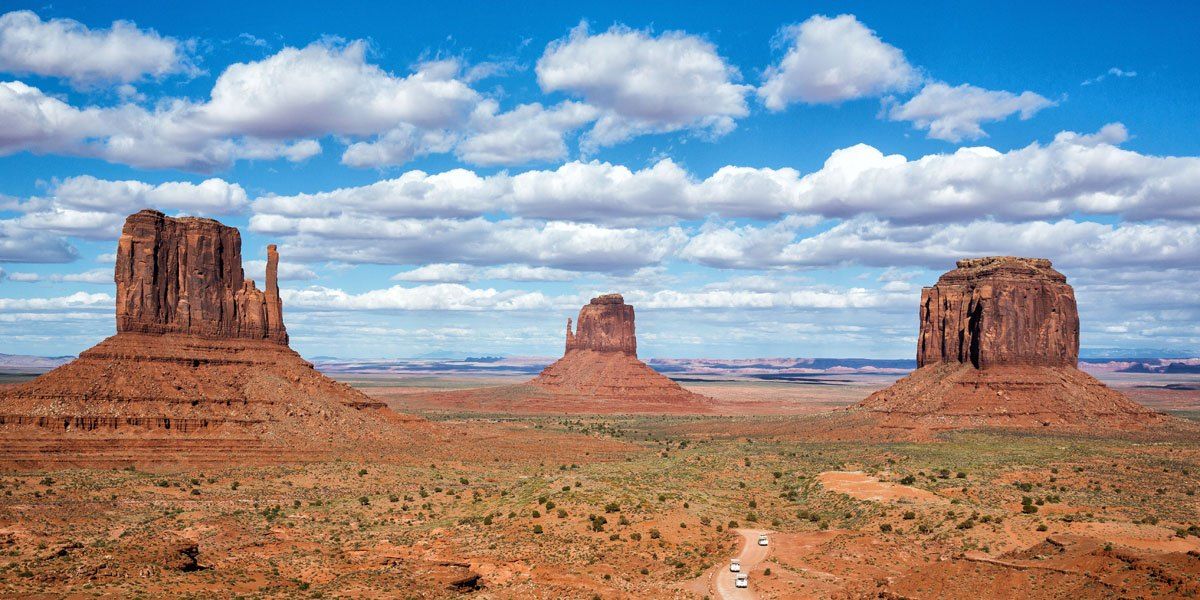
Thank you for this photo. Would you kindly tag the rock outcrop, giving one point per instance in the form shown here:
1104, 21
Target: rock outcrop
601, 364
998, 347
199, 352
1000, 310
605, 325
185, 276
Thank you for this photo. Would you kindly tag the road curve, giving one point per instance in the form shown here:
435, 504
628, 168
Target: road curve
720, 580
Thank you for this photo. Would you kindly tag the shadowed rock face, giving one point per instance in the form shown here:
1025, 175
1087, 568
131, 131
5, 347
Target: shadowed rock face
605, 325
1000, 310
185, 276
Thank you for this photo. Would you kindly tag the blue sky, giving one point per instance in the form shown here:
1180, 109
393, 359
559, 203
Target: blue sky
758, 180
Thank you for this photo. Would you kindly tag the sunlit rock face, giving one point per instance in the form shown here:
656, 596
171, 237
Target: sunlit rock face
185, 276
1000, 310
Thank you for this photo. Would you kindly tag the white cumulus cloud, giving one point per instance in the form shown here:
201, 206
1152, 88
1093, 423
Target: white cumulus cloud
830, 60
955, 113
645, 83
68, 49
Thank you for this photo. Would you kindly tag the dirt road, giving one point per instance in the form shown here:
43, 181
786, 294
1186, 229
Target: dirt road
720, 579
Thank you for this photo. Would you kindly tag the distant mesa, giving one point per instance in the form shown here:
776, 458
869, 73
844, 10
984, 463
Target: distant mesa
599, 373
600, 361
200, 352
999, 346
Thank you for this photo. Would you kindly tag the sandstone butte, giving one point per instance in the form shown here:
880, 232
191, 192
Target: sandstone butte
601, 361
999, 347
199, 353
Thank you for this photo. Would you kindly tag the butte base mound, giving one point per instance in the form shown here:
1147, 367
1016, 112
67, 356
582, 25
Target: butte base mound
199, 370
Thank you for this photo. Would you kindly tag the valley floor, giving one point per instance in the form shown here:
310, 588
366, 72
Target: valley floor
619, 506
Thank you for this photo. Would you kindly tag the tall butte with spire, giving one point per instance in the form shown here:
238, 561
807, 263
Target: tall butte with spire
200, 353
999, 347
601, 363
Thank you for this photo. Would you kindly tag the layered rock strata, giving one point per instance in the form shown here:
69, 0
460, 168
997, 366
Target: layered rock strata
998, 346
199, 352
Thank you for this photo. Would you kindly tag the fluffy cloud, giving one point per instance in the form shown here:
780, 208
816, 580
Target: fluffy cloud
461, 273
209, 197
32, 246
871, 242
325, 88
97, 276
831, 60
810, 297
78, 300
528, 133
95, 208
68, 49
454, 193
444, 296
256, 110
955, 113
557, 244
169, 136
644, 83
1073, 173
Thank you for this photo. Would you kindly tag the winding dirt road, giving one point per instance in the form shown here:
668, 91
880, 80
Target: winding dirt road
720, 579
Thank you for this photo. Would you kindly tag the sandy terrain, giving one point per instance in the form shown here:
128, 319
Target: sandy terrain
626, 506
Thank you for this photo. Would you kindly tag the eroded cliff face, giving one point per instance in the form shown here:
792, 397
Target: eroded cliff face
199, 350
1000, 310
605, 325
185, 276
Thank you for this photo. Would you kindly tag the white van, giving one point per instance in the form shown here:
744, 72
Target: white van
735, 565
742, 580
762, 540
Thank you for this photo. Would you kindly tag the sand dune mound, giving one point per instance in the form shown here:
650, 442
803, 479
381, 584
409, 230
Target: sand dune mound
199, 352
998, 347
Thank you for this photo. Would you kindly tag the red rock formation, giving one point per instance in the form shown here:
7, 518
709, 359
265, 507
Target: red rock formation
998, 346
185, 276
600, 362
1000, 310
199, 351
605, 325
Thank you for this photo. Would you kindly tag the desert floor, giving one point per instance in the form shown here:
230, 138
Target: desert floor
512, 505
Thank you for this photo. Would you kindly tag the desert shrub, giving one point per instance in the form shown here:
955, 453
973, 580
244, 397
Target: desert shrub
1042, 527
612, 507
363, 500
908, 480
655, 534
362, 472
886, 527
537, 529
909, 515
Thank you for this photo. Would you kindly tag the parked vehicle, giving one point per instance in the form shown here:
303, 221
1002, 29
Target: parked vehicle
742, 580
735, 565
762, 540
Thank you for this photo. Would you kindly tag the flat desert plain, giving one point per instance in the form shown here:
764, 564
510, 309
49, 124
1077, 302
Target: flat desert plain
510, 501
